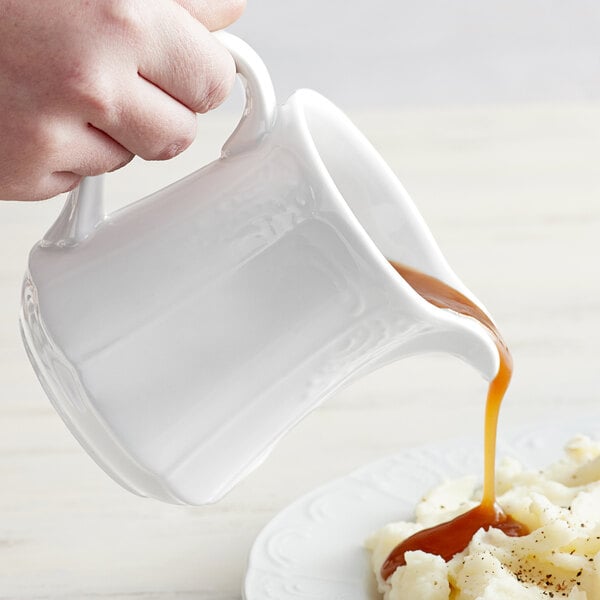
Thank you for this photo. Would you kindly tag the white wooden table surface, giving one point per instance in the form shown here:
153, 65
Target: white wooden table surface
513, 197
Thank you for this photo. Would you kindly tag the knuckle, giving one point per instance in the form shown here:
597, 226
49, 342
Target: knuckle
86, 78
237, 7
217, 14
169, 151
123, 162
124, 17
177, 145
227, 13
217, 93
70, 182
90, 91
106, 164
218, 85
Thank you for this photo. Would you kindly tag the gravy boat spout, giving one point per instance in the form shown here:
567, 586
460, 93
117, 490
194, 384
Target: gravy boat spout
180, 337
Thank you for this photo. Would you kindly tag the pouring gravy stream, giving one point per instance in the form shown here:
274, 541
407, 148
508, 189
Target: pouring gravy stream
447, 539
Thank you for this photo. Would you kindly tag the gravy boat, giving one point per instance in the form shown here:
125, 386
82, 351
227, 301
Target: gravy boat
181, 336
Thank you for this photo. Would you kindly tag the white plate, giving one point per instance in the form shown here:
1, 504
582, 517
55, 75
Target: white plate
314, 548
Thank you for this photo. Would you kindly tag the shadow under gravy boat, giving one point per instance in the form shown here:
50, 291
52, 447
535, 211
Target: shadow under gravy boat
180, 337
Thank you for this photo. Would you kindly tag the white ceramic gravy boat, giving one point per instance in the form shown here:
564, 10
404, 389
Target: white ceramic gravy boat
180, 337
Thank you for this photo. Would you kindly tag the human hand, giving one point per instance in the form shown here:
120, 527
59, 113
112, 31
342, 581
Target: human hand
86, 85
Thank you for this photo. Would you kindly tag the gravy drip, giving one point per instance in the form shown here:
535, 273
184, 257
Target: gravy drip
452, 537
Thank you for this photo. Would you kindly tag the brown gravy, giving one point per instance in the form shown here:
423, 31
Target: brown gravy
447, 539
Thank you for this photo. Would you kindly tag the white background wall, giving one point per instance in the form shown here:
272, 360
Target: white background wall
391, 53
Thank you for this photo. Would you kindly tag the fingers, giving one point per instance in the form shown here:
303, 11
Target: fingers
151, 112
137, 71
94, 154
148, 103
192, 67
54, 156
214, 14
59, 183
149, 123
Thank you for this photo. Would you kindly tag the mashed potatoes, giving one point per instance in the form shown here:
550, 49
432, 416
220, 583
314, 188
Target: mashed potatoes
560, 558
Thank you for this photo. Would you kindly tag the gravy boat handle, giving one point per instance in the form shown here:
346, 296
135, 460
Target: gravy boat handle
84, 208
